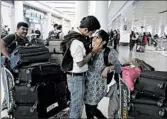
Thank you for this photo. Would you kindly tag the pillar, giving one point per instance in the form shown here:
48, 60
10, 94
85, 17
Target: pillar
18, 11
80, 11
101, 13
48, 25
63, 24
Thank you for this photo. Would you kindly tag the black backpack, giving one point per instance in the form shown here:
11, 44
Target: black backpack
67, 62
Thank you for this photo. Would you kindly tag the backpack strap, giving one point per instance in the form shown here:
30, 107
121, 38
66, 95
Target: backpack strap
14, 41
105, 56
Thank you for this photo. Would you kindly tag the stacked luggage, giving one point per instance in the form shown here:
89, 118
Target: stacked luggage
55, 52
40, 89
149, 100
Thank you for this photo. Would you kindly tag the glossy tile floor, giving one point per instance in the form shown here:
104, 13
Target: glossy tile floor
154, 59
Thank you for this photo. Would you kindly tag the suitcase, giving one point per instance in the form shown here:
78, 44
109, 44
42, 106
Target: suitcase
140, 48
24, 55
159, 75
154, 86
146, 109
40, 73
25, 95
53, 102
56, 58
54, 47
147, 101
26, 112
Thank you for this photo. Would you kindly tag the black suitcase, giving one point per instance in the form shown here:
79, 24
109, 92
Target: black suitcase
26, 112
24, 55
52, 99
156, 86
149, 101
25, 95
40, 73
159, 75
147, 109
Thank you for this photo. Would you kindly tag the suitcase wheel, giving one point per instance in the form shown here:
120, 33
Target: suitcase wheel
17, 81
27, 71
160, 103
162, 113
29, 85
16, 71
161, 86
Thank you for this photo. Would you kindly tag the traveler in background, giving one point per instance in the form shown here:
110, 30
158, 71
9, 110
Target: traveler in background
133, 40
149, 38
111, 35
51, 33
59, 32
115, 39
77, 55
96, 84
70, 31
9, 43
145, 39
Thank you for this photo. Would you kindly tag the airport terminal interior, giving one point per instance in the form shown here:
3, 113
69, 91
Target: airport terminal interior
36, 84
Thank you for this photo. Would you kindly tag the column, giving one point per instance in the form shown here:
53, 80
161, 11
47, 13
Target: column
101, 13
18, 9
81, 11
63, 24
48, 25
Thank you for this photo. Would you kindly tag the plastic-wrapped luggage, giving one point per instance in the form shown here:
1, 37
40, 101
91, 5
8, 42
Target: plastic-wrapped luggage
159, 75
25, 55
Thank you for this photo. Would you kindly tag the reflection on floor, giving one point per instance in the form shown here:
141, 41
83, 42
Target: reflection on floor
156, 60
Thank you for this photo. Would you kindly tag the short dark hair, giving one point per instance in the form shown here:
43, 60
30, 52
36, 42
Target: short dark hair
59, 27
22, 24
90, 22
55, 25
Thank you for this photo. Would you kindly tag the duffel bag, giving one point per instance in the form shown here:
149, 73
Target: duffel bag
25, 95
157, 87
24, 55
39, 73
159, 75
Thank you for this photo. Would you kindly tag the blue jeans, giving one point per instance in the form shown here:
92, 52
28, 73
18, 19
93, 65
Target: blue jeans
76, 85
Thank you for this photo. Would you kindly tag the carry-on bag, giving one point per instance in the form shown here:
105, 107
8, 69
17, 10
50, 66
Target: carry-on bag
156, 86
24, 55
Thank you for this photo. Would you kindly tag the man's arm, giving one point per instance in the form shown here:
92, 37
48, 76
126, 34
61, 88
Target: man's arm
3, 49
85, 59
78, 55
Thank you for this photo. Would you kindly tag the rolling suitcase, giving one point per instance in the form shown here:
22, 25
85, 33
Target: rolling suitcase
147, 109
25, 95
159, 75
26, 112
24, 55
154, 86
53, 102
40, 73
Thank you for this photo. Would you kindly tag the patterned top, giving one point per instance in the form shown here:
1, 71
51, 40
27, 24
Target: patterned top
96, 87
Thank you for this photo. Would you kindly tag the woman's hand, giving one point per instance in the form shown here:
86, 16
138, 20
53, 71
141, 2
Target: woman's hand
106, 71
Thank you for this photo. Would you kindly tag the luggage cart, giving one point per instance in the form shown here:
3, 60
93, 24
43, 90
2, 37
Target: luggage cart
124, 100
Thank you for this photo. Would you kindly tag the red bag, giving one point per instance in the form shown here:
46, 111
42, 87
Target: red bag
129, 74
